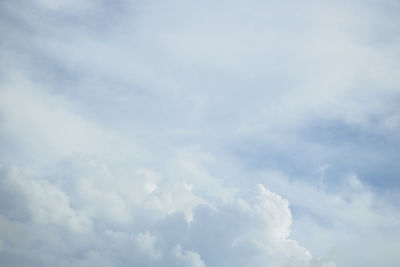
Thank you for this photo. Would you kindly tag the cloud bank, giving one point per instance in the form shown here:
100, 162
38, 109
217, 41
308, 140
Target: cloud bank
199, 133
133, 226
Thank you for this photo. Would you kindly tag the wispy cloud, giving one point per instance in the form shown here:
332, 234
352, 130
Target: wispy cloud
176, 133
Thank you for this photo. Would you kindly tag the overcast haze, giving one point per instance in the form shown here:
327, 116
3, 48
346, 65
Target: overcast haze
200, 133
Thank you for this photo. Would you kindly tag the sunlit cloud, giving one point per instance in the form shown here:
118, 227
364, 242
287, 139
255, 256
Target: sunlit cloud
199, 133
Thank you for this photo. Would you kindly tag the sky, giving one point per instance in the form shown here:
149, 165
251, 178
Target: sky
200, 133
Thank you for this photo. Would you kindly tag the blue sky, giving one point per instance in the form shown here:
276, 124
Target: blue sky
199, 133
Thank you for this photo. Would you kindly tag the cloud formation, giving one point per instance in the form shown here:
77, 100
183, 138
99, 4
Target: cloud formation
113, 230
199, 133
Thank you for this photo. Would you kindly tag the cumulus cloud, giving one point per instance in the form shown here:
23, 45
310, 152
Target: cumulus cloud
333, 222
188, 258
253, 228
42, 201
188, 133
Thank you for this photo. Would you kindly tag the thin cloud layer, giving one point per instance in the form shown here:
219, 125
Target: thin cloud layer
199, 133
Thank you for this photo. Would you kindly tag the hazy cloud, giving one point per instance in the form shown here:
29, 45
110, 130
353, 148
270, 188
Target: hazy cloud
199, 133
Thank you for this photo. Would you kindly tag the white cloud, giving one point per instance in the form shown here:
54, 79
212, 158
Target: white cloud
44, 202
252, 228
349, 225
127, 120
41, 126
65, 6
146, 243
187, 257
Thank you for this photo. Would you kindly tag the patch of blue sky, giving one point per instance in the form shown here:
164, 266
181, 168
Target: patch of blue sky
344, 148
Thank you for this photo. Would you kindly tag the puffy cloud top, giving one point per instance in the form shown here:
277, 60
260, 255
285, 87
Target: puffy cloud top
199, 133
